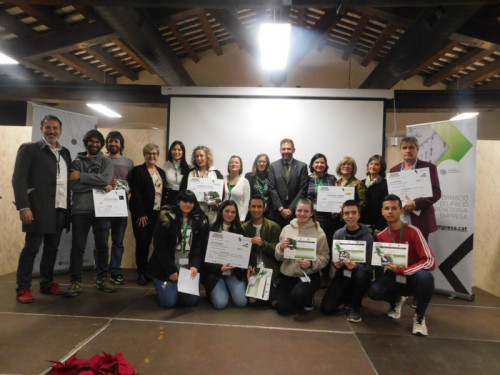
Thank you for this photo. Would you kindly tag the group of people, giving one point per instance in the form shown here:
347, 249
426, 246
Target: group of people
271, 204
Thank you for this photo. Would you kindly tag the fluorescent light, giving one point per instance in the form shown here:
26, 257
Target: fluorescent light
274, 40
465, 116
103, 109
5, 60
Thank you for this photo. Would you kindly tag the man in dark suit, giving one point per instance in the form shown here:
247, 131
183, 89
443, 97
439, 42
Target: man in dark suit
288, 182
426, 220
42, 196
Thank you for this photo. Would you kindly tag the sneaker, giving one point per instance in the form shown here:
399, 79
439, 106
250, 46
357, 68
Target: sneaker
141, 279
413, 303
104, 285
51, 288
74, 289
309, 307
395, 312
354, 315
419, 327
24, 296
117, 279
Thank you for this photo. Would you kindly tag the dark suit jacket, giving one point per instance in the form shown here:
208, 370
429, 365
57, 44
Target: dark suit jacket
34, 183
279, 189
143, 191
426, 221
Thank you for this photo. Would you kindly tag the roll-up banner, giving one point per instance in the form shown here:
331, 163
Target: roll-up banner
451, 146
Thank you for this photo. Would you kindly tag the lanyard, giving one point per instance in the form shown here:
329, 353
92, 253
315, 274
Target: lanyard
184, 236
229, 187
58, 162
176, 170
400, 234
316, 183
262, 186
347, 182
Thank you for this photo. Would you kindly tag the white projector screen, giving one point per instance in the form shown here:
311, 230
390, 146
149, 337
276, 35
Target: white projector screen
247, 126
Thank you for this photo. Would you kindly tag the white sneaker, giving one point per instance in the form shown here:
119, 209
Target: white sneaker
419, 329
395, 313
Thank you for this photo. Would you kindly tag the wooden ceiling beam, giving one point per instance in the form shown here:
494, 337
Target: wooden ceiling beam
109, 60
179, 16
210, 33
56, 42
448, 49
85, 68
184, 43
52, 70
353, 41
14, 25
43, 15
129, 51
489, 70
460, 64
386, 34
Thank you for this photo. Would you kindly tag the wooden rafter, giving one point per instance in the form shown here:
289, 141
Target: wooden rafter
42, 15
488, 71
129, 51
184, 43
448, 49
363, 21
15, 26
388, 31
460, 64
210, 33
52, 70
85, 68
112, 62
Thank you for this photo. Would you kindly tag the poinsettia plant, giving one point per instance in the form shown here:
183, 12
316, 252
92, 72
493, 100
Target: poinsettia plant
99, 364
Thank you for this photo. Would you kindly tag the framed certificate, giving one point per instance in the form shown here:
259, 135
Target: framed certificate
111, 204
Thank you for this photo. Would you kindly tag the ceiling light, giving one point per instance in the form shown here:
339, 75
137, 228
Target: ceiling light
465, 116
103, 109
274, 40
6, 60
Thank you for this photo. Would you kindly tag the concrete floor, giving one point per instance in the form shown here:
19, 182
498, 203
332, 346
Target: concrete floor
464, 337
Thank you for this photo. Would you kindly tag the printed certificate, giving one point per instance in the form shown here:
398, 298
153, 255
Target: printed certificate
206, 189
259, 285
301, 248
226, 247
353, 250
416, 183
111, 204
390, 253
331, 198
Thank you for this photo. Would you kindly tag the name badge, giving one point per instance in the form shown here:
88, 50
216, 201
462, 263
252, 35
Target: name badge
401, 279
60, 181
176, 187
183, 261
347, 273
305, 279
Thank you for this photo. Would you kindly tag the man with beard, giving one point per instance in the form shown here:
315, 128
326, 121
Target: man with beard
121, 168
41, 191
90, 170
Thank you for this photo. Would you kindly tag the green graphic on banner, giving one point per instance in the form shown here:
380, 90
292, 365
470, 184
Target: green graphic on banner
458, 144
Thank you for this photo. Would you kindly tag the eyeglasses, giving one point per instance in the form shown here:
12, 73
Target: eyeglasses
347, 164
150, 154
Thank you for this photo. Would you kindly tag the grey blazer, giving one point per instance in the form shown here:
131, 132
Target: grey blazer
34, 183
285, 194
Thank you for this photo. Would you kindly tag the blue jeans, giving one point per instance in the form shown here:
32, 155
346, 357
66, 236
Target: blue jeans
168, 295
118, 227
81, 226
420, 285
219, 296
32, 244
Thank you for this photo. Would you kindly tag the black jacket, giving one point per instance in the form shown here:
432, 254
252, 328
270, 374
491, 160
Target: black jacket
143, 191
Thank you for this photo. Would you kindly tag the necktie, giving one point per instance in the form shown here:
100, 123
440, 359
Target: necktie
287, 171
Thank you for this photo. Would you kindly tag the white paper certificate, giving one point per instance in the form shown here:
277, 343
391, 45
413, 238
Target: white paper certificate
390, 253
353, 250
331, 198
226, 247
206, 189
416, 183
260, 286
111, 204
186, 284
301, 248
